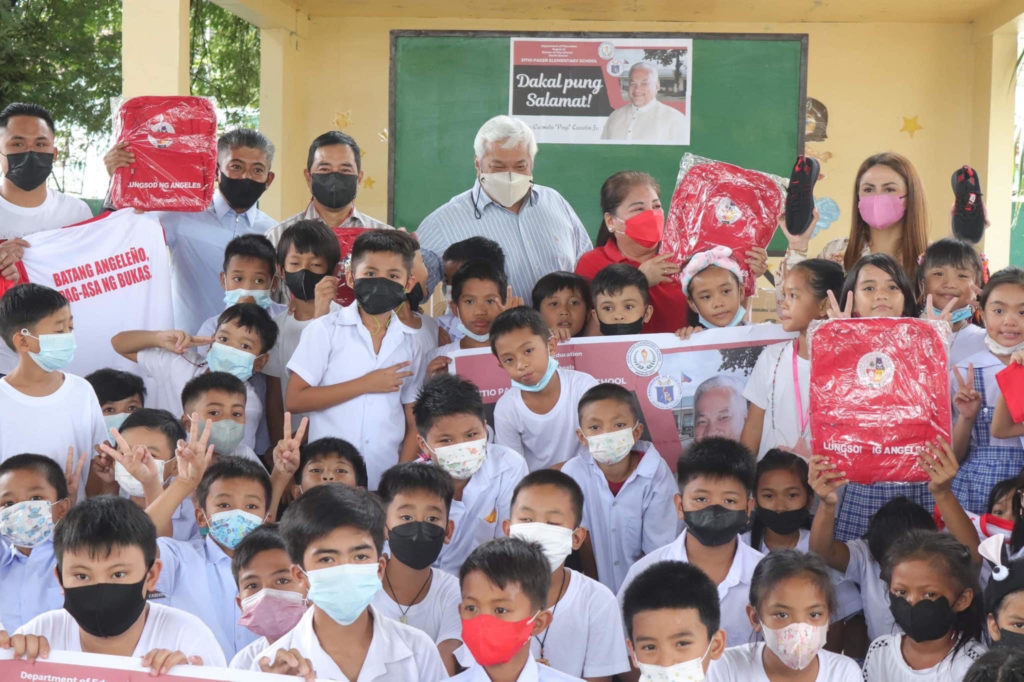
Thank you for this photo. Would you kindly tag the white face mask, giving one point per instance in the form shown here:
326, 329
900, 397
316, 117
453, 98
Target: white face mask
129, 483
462, 460
797, 644
611, 448
997, 348
507, 188
687, 671
554, 541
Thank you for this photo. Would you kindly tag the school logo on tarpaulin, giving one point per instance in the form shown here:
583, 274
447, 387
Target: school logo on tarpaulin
875, 370
664, 392
643, 358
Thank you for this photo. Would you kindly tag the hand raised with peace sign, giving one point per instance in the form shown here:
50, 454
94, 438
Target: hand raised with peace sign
286, 452
195, 455
945, 315
73, 472
511, 301
177, 341
137, 461
967, 401
837, 313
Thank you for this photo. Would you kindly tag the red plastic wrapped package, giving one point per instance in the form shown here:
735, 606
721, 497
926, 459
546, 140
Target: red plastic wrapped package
346, 237
879, 392
1011, 385
718, 204
174, 140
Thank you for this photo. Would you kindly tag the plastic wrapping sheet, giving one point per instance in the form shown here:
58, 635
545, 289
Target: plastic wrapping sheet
716, 203
1011, 385
879, 392
174, 140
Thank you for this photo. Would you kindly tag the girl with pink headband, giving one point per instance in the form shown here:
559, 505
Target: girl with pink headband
713, 283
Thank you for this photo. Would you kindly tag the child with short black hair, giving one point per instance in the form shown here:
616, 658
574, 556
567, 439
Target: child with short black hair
716, 485
951, 271
628, 488
272, 600
219, 399
672, 614
36, 323
334, 535
120, 393
249, 276
329, 460
454, 257
537, 416
563, 299
360, 367
452, 431
417, 499
585, 637
622, 300
106, 555
505, 585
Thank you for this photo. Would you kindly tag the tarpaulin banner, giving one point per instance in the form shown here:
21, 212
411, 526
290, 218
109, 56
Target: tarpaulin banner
603, 91
687, 390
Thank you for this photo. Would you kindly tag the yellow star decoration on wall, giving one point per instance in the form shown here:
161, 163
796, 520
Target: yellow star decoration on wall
342, 119
369, 182
911, 126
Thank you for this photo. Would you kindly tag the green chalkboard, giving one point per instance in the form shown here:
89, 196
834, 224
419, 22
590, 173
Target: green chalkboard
747, 109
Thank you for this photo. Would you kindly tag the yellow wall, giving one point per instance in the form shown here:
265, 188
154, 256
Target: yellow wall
869, 76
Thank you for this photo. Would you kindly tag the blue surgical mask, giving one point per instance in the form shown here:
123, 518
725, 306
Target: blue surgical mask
343, 592
114, 421
225, 435
958, 315
260, 297
55, 350
479, 338
229, 527
224, 358
544, 381
736, 319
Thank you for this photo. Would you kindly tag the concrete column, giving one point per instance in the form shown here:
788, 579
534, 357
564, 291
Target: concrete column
155, 47
282, 113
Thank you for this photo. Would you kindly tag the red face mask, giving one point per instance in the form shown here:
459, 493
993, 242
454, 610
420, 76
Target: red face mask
493, 641
646, 228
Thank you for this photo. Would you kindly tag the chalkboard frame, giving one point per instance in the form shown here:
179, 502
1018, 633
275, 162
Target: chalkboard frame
397, 34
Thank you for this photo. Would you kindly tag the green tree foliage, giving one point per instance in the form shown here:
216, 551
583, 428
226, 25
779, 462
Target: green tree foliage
225, 61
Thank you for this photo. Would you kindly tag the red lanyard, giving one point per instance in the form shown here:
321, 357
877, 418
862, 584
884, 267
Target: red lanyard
805, 416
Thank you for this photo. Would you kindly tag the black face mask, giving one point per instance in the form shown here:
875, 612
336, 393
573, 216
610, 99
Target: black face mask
417, 543
785, 522
334, 190
28, 170
415, 296
715, 525
241, 193
925, 621
377, 295
1010, 639
303, 283
105, 609
621, 328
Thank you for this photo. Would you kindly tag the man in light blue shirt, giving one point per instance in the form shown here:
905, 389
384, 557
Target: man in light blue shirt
534, 225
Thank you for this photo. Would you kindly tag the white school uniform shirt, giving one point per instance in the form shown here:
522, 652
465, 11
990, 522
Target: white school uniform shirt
172, 371
640, 519
450, 323
29, 586
486, 502
50, 424
248, 656
446, 349
990, 366
337, 347
532, 672
57, 210
196, 577
771, 388
165, 628
733, 592
289, 331
426, 335
885, 663
437, 614
543, 439
745, 663
397, 652
865, 572
965, 343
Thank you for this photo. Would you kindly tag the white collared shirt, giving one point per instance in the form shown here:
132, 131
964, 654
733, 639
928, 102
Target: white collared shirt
397, 652
884, 662
532, 672
355, 219
437, 614
733, 592
654, 122
28, 585
486, 502
744, 663
640, 519
336, 348
246, 657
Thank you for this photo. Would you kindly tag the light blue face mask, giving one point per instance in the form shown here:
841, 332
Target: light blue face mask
229, 527
343, 592
225, 435
544, 381
224, 358
260, 297
114, 421
55, 350
479, 338
958, 315
736, 319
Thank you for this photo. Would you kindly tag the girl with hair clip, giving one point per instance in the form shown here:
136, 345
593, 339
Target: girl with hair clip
1004, 595
950, 275
713, 282
791, 601
935, 599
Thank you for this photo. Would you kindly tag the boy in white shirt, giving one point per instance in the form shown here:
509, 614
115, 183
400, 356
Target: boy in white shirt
357, 370
248, 277
220, 400
410, 315
107, 563
36, 323
537, 416
622, 300
242, 342
417, 498
716, 486
505, 585
453, 258
628, 488
450, 420
334, 536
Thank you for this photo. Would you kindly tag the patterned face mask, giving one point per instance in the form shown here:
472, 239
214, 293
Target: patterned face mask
462, 460
27, 524
229, 527
611, 448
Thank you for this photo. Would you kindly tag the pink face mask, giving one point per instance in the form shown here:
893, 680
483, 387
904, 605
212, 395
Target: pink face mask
881, 210
271, 613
